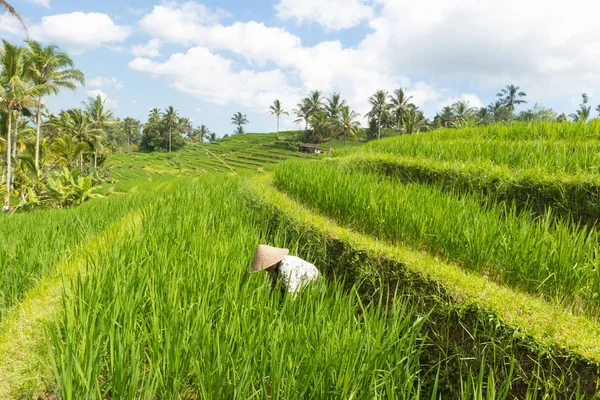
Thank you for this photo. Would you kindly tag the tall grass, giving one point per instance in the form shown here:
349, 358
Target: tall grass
173, 313
544, 255
32, 244
548, 155
572, 195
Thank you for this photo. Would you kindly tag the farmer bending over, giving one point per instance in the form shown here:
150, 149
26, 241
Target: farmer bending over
294, 272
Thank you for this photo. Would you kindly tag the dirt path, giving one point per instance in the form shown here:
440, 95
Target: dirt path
25, 371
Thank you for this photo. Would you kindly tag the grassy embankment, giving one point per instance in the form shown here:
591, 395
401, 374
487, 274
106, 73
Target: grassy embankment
164, 307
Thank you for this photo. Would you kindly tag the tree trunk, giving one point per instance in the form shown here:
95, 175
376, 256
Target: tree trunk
169, 140
14, 149
278, 128
37, 135
95, 159
8, 158
81, 162
345, 138
379, 127
128, 142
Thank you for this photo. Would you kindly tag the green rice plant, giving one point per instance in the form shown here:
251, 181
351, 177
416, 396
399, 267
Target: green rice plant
31, 244
571, 195
545, 255
171, 312
545, 154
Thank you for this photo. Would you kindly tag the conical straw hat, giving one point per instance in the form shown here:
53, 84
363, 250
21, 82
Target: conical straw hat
267, 256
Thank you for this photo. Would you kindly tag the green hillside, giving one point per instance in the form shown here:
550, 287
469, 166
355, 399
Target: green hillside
240, 153
456, 264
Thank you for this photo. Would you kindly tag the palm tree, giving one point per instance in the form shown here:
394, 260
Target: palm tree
400, 103
315, 101
201, 133
321, 126
171, 121
100, 117
462, 109
130, 126
15, 80
511, 96
82, 128
380, 108
485, 115
186, 126
414, 120
51, 67
302, 112
333, 105
598, 109
277, 109
583, 113
13, 12
239, 120
348, 124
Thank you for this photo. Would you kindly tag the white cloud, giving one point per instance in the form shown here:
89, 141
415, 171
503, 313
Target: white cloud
450, 41
332, 14
11, 25
213, 78
110, 103
535, 42
78, 31
150, 49
134, 101
100, 81
43, 3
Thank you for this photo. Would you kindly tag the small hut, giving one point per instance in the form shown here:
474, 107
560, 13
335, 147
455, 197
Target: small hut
310, 148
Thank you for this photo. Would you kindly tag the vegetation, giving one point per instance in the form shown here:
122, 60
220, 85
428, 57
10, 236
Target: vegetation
239, 120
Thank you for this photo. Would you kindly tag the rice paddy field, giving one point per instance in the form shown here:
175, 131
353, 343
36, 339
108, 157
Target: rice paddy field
457, 264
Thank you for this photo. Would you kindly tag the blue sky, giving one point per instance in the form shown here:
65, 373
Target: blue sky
210, 59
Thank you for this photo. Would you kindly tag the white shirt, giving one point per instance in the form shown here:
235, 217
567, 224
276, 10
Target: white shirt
295, 274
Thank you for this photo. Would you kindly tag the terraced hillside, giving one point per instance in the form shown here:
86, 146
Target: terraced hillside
434, 285
240, 153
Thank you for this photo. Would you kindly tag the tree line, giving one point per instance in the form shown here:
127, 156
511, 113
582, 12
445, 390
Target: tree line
331, 117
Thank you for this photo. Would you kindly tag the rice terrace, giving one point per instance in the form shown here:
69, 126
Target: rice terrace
401, 241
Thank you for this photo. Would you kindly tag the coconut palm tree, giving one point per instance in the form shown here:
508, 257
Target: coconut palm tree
101, 117
171, 121
485, 115
302, 112
15, 80
186, 126
239, 120
13, 12
54, 68
379, 108
348, 125
130, 126
82, 128
414, 120
583, 113
598, 109
277, 110
333, 105
400, 103
201, 133
511, 96
315, 100
463, 110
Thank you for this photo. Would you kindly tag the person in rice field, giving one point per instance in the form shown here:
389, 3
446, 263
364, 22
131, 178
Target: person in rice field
293, 272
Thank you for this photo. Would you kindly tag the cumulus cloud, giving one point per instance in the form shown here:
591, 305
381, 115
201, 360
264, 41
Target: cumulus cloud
100, 81
453, 42
109, 103
213, 78
534, 43
76, 31
150, 49
332, 14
